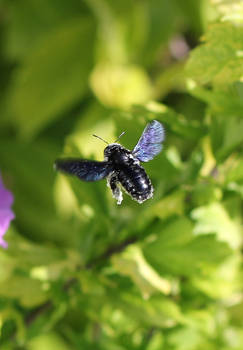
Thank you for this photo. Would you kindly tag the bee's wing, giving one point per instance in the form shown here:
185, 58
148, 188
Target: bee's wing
87, 170
149, 144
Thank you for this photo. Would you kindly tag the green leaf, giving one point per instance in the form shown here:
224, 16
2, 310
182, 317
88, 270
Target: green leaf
49, 340
226, 135
205, 193
29, 292
219, 59
156, 342
159, 311
187, 338
233, 170
177, 232
227, 102
132, 263
175, 249
214, 218
222, 282
53, 77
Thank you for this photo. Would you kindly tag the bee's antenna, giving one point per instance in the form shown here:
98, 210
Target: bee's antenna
120, 136
98, 137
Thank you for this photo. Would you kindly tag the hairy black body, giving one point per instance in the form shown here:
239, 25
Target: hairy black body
128, 172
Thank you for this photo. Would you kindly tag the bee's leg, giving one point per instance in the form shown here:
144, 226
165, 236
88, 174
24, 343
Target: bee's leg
113, 183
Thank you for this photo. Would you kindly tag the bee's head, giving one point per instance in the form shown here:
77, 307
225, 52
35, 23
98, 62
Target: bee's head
112, 149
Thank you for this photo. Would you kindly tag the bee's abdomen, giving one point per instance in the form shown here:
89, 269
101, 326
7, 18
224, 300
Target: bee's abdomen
136, 182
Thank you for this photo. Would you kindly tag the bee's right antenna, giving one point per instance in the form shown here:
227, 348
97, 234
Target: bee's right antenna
120, 136
98, 137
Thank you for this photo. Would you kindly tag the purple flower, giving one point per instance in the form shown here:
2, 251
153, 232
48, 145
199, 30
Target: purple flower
6, 214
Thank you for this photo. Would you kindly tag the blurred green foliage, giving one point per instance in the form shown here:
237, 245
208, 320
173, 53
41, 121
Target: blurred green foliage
81, 272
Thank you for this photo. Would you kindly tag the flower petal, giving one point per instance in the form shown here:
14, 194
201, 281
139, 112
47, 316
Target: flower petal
6, 214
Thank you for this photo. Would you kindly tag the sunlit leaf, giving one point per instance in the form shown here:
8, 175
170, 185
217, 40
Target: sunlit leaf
28, 292
49, 340
133, 264
214, 218
219, 58
230, 10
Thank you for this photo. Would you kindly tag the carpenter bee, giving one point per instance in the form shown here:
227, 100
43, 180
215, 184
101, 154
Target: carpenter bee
121, 166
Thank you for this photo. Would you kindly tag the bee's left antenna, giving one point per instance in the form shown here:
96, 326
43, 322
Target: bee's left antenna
98, 137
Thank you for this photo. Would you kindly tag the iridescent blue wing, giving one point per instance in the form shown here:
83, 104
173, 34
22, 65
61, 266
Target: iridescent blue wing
87, 170
149, 144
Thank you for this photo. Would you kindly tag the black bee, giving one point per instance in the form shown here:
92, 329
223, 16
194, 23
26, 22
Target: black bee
121, 167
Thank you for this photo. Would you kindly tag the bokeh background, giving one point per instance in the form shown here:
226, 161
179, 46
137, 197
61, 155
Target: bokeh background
81, 272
